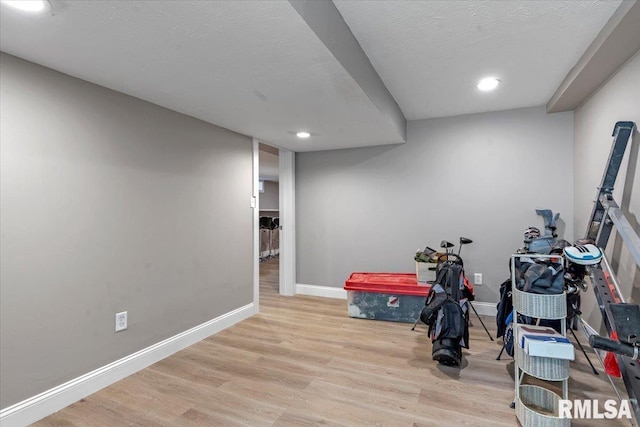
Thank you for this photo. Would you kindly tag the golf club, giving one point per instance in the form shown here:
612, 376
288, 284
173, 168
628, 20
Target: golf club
463, 241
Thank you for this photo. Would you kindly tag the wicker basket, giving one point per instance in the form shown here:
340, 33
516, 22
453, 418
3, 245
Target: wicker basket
544, 306
545, 368
531, 399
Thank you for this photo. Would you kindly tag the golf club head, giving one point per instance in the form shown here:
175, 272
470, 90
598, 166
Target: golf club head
428, 251
447, 245
463, 241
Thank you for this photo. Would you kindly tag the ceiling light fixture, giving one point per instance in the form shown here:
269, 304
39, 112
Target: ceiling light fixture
303, 135
32, 6
490, 83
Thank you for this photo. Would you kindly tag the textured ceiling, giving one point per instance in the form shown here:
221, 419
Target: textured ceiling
430, 54
250, 66
257, 67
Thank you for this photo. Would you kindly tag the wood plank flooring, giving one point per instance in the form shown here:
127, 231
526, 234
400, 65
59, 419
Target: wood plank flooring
303, 362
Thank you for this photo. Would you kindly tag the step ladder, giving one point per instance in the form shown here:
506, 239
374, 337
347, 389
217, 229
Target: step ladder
605, 215
599, 225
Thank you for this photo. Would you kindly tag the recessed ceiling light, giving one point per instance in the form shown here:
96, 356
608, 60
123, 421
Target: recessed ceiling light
489, 83
303, 135
32, 6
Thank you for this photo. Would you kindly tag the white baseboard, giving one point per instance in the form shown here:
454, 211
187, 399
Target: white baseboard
485, 308
37, 407
321, 291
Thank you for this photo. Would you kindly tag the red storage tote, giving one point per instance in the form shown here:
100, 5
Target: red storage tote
385, 296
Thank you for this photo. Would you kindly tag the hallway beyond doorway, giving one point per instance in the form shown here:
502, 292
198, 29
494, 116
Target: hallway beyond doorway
269, 277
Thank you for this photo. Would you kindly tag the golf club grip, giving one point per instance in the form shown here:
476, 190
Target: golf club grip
607, 344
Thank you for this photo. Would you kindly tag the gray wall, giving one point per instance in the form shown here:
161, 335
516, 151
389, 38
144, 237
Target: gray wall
479, 176
109, 203
270, 198
617, 100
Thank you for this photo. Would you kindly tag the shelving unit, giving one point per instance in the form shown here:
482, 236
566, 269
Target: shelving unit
535, 405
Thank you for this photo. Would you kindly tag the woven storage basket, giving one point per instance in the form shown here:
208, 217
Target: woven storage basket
545, 368
532, 396
544, 306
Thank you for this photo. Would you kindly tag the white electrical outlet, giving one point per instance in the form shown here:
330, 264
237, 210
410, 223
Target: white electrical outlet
121, 321
477, 279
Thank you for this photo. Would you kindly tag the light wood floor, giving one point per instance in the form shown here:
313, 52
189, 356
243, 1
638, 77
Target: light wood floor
303, 362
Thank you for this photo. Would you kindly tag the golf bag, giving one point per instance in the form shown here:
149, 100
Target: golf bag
539, 276
504, 307
446, 313
534, 242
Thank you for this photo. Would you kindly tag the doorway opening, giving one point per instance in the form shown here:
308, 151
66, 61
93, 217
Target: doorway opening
269, 221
